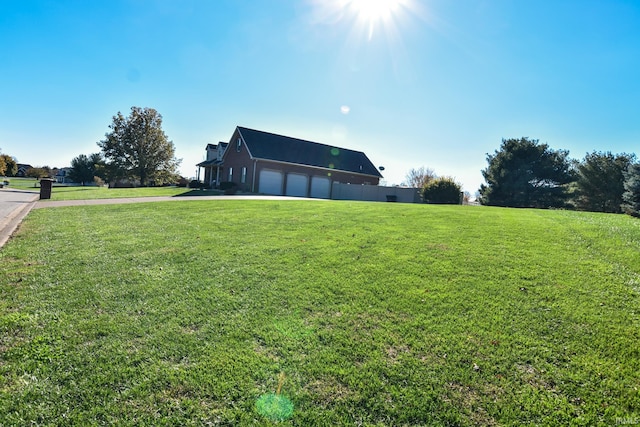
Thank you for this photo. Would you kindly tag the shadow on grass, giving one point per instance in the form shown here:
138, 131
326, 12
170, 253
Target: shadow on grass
196, 193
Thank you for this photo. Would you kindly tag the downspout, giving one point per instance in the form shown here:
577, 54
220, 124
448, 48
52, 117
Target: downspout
331, 188
253, 176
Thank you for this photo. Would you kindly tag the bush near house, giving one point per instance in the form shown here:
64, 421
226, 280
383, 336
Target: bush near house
444, 190
194, 183
229, 187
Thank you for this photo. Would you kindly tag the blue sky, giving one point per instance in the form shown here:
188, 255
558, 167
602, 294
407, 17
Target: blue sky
435, 83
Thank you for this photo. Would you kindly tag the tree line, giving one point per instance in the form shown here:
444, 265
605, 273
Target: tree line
9, 167
527, 174
521, 173
135, 151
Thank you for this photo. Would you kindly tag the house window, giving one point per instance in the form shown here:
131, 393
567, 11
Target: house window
243, 177
230, 174
238, 145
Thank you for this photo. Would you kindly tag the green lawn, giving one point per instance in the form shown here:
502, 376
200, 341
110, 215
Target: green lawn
88, 193
22, 183
361, 313
64, 192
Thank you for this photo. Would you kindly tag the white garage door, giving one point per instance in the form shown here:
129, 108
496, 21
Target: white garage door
297, 185
320, 187
270, 182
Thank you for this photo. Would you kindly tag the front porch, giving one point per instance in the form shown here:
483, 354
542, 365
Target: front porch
212, 172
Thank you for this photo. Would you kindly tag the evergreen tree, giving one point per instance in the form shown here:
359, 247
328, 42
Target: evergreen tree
631, 196
525, 173
84, 168
600, 181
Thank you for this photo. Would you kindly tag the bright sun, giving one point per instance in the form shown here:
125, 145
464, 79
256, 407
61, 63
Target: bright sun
373, 12
369, 17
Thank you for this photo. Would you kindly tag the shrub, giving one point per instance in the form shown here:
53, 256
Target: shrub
444, 190
196, 184
631, 196
229, 187
182, 182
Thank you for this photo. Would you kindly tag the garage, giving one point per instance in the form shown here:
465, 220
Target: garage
297, 185
320, 187
270, 182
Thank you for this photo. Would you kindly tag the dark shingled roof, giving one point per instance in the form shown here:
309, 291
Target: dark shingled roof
223, 144
269, 146
214, 162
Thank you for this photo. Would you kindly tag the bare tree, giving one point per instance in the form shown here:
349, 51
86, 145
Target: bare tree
466, 198
418, 178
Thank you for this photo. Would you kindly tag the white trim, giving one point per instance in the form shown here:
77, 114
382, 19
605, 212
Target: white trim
243, 141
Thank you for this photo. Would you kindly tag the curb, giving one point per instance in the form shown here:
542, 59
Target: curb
9, 224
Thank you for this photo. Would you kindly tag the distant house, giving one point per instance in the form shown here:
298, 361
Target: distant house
267, 163
62, 176
22, 170
213, 163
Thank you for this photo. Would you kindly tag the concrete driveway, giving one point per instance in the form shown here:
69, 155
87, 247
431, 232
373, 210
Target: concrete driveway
14, 205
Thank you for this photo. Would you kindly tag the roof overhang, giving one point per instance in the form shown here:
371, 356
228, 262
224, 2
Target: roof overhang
209, 163
317, 167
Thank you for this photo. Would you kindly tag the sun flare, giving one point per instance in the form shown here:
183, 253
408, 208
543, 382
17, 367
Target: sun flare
374, 10
374, 13
370, 19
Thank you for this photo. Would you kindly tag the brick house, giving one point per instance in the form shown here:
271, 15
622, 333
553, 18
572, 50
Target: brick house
213, 164
262, 162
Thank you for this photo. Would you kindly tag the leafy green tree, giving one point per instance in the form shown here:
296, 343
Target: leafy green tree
443, 190
525, 173
138, 149
84, 168
631, 195
38, 172
11, 166
3, 165
600, 181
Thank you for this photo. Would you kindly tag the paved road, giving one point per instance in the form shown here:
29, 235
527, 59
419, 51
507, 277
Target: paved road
14, 205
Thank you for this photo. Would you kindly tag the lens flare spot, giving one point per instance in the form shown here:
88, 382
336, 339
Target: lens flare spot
275, 407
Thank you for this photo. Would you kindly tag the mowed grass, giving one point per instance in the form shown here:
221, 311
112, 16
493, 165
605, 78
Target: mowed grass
22, 183
92, 193
376, 314
68, 192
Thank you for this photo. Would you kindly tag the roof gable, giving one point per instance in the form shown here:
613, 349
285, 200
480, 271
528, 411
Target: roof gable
269, 146
215, 146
